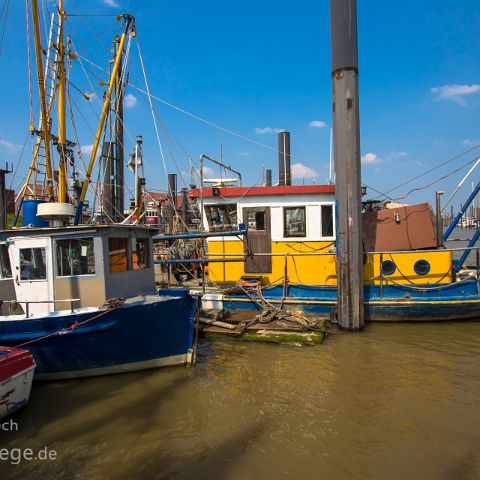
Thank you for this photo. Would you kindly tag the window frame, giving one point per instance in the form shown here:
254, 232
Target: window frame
208, 216
284, 215
128, 255
322, 236
3, 256
133, 241
45, 262
56, 264
256, 211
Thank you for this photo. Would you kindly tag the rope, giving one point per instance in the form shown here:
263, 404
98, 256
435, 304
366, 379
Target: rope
424, 289
271, 313
73, 326
405, 277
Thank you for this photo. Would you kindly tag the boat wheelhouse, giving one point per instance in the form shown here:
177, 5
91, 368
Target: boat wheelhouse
291, 234
51, 269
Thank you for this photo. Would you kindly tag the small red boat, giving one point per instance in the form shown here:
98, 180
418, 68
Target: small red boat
16, 375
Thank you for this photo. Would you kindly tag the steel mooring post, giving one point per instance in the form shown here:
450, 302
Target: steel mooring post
346, 141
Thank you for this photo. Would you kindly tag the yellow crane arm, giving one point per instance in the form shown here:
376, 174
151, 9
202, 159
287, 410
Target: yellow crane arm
106, 106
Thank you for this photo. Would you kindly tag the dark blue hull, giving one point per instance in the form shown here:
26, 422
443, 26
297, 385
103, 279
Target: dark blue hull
391, 303
135, 336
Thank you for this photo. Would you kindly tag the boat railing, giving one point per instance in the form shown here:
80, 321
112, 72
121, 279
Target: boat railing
315, 254
27, 303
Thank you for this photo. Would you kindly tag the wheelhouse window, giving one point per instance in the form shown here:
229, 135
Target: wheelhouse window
294, 222
256, 221
5, 268
75, 257
140, 253
33, 264
118, 254
327, 220
221, 217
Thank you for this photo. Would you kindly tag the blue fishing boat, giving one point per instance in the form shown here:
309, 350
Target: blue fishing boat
83, 301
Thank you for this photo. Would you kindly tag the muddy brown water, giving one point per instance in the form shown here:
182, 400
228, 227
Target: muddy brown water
397, 401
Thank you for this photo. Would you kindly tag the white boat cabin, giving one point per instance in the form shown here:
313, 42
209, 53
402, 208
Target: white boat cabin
281, 220
52, 269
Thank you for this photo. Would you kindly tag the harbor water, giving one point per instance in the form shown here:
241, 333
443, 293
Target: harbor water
393, 402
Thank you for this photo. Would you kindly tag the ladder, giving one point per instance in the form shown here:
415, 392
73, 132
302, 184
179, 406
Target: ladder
38, 167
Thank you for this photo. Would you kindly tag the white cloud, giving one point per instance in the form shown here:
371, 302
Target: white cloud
86, 149
208, 172
268, 130
370, 159
455, 93
395, 155
10, 146
244, 154
130, 100
111, 3
317, 124
299, 171
468, 142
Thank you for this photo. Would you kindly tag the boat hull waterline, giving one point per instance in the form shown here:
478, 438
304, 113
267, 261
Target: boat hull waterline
145, 332
390, 303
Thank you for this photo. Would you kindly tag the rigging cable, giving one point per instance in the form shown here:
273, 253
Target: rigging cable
4, 10
151, 108
437, 180
211, 124
432, 169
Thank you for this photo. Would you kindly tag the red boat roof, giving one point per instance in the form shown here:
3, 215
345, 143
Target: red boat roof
13, 361
255, 191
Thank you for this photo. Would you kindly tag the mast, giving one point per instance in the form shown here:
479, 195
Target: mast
346, 135
61, 110
41, 91
119, 149
106, 105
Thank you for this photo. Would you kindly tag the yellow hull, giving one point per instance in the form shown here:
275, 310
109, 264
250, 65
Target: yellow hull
308, 263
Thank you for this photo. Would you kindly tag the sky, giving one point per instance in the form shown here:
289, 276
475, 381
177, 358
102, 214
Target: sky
254, 68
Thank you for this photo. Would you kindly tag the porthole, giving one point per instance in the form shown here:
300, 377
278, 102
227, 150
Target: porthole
388, 267
421, 267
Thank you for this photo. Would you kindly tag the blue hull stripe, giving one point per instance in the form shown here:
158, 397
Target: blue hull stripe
391, 303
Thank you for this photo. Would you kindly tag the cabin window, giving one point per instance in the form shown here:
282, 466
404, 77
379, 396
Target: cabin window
421, 267
75, 257
327, 220
118, 254
6, 269
33, 264
388, 267
221, 217
256, 221
294, 222
140, 256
